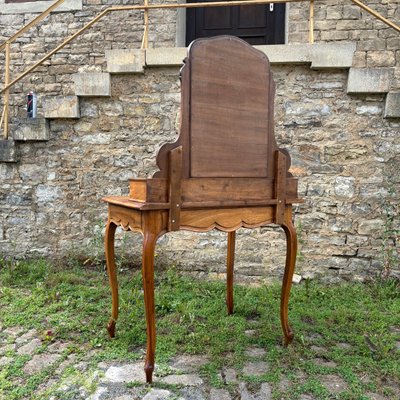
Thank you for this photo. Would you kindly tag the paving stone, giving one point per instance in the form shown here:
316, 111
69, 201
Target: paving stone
29, 348
26, 336
265, 392
374, 396
333, 383
228, 375
40, 362
284, 384
306, 397
256, 368
344, 345
318, 349
5, 361
324, 363
250, 332
98, 393
13, 331
219, 394
394, 329
192, 393
58, 347
157, 394
188, 363
255, 352
186, 380
244, 393
125, 373
8, 347
314, 336
68, 361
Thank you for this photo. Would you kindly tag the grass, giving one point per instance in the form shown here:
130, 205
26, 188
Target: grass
354, 326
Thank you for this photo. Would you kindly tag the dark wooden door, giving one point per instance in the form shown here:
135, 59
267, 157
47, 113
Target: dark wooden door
256, 24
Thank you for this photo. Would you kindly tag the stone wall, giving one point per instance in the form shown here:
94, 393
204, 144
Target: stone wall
378, 45
346, 155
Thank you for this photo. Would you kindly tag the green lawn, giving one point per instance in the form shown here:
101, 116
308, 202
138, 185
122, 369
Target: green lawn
351, 330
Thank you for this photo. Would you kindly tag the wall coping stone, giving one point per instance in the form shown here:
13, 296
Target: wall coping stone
319, 55
369, 80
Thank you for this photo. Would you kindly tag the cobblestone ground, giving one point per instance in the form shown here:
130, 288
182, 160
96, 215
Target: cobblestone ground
122, 381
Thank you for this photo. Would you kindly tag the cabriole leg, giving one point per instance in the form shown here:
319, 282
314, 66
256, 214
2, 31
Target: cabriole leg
291, 250
112, 275
149, 242
229, 271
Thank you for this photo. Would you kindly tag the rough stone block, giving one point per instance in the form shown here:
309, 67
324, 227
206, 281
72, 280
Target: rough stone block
335, 55
125, 61
8, 151
392, 106
166, 56
61, 107
35, 129
92, 84
369, 80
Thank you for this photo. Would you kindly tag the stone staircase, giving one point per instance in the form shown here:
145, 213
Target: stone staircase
319, 56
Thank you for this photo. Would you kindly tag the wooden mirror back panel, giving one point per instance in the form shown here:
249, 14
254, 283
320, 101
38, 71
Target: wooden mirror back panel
227, 112
231, 109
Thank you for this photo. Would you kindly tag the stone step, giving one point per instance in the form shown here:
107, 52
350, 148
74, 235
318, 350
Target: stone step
61, 107
8, 151
32, 129
92, 84
392, 106
369, 80
125, 61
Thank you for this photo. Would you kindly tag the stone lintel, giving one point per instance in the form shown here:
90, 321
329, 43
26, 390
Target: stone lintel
92, 84
392, 106
61, 107
125, 61
8, 151
35, 129
369, 80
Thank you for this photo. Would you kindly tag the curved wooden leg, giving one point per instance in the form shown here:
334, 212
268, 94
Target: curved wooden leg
229, 271
112, 275
291, 250
149, 242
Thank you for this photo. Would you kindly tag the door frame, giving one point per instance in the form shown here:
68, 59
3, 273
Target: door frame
180, 39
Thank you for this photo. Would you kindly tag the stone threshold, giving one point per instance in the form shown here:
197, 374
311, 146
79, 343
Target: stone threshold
319, 55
